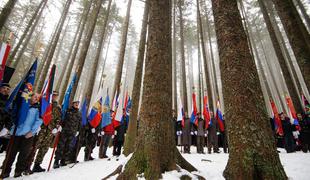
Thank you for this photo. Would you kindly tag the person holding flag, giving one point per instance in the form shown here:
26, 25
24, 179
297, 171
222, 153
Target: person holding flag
212, 135
5, 117
288, 129
70, 129
305, 130
187, 130
47, 133
201, 133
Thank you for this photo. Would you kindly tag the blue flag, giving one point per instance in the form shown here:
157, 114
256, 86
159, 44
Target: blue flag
84, 112
65, 103
128, 109
106, 114
19, 100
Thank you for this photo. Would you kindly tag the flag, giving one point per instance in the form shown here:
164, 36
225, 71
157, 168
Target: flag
65, 103
181, 115
277, 120
290, 105
219, 117
46, 100
206, 112
94, 116
4, 54
115, 102
118, 114
84, 112
19, 99
106, 114
194, 117
128, 109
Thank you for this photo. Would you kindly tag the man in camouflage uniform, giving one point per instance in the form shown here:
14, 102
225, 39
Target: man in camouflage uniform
47, 133
70, 129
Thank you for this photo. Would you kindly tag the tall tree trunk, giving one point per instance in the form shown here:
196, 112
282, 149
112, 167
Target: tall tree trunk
246, 117
132, 128
200, 87
85, 45
184, 87
281, 58
69, 66
53, 47
205, 61
156, 151
174, 59
303, 12
61, 42
297, 34
6, 11
120, 64
92, 78
29, 28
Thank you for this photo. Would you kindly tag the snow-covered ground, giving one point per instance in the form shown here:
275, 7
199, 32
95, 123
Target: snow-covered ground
210, 166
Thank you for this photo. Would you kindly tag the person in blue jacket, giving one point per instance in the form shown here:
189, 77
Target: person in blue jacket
23, 139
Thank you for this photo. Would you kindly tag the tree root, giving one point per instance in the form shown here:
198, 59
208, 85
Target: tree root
183, 163
118, 170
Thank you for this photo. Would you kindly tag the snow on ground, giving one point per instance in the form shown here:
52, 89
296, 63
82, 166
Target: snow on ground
210, 166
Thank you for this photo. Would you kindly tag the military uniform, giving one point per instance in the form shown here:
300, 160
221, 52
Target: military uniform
212, 136
90, 141
70, 126
201, 132
46, 137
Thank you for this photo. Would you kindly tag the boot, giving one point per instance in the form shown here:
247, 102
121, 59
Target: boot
56, 164
63, 163
17, 174
37, 168
91, 158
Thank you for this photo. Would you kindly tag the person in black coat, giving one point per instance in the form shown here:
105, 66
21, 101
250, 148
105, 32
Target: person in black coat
288, 129
119, 137
5, 117
305, 130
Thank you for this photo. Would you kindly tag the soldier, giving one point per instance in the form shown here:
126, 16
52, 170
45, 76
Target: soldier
106, 135
212, 135
5, 118
120, 132
23, 139
90, 141
47, 134
201, 133
70, 129
186, 134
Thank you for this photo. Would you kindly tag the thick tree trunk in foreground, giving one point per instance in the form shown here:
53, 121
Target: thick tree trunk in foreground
297, 34
156, 151
53, 47
253, 152
85, 45
6, 11
69, 66
120, 64
132, 128
281, 58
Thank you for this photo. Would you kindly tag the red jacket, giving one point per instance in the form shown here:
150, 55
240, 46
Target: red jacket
109, 129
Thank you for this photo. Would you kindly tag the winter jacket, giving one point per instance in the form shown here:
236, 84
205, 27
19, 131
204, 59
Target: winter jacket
121, 130
305, 130
288, 128
72, 122
186, 132
212, 130
32, 122
5, 117
201, 127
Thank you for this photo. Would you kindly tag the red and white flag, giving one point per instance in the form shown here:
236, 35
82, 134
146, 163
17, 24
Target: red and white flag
4, 54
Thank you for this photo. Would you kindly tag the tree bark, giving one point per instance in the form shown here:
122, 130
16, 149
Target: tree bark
120, 64
6, 11
53, 47
246, 117
297, 34
174, 58
89, 91
281, 58
69, 66
184, 84
303, 12
84, 48
29, 28
156, 151
132, 128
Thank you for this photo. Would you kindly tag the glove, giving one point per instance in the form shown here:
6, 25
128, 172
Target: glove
196, 132
206, 134
192, 133
113, 136
93, 130
54, 131
77, 133
59, 129
115, 133
295, 134
102, 133
28, 135
178, 133
39, 129
218, 133
4, 132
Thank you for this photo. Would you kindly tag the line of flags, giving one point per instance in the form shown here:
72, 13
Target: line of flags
66, 101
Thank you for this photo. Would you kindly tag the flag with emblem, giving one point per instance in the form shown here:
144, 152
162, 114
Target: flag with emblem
290, 105
194, 117
94, 117
19, 100
206, 112
276, 118
65, 103
219, 117
4, 54
46, 100
106, 114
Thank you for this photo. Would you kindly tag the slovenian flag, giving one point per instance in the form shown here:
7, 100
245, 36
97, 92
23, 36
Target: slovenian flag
194, 117
4, 54
277, 120
46, 100
19, 99
94, 117
206, 112
219, 117
106, 114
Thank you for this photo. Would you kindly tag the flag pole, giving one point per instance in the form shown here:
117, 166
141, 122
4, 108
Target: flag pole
54, 149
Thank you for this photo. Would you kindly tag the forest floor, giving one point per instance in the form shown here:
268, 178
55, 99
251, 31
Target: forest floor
210, 166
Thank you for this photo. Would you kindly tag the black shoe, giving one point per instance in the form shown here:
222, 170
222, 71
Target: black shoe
217, 151
37, 168
27, 172
17, 174
63, 163
91, 158
5, 176
56, 164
